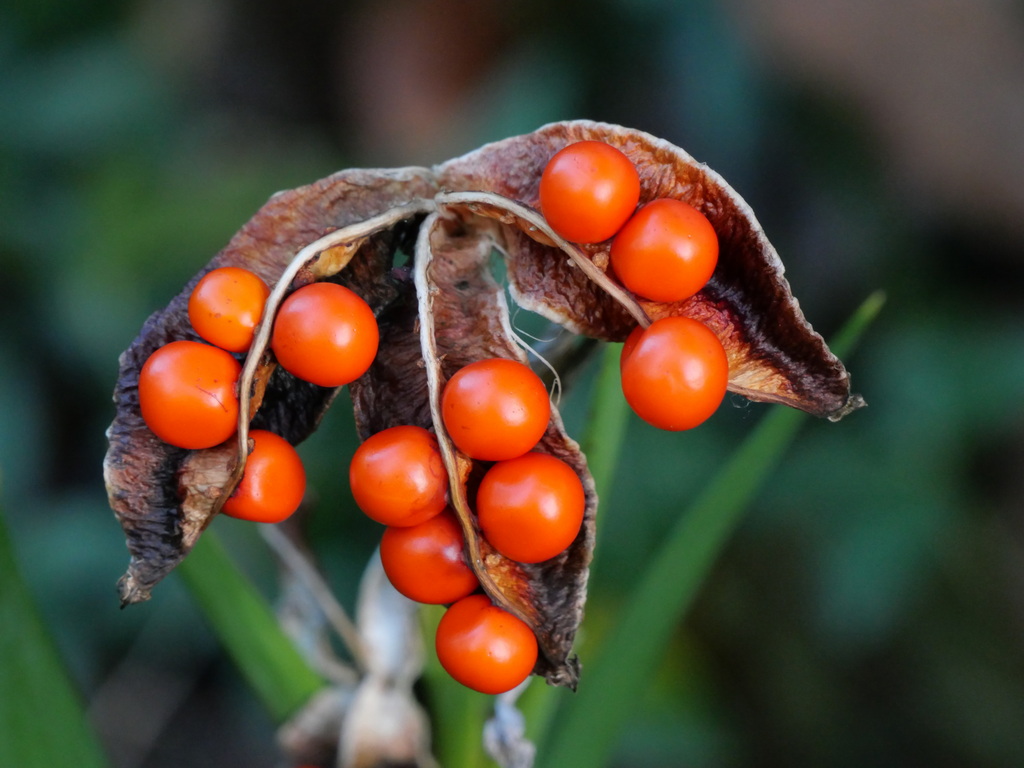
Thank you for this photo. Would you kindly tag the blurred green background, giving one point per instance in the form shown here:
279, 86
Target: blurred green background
870, 610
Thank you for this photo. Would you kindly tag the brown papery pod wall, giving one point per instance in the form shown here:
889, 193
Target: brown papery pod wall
444, 311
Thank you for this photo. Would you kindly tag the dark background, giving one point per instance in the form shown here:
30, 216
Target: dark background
870, 610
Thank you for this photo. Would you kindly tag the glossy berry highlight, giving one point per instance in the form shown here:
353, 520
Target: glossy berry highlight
588, 190
426, 562
675, 373
226, 306
273, 484
187, 394
530, 508
485, 647
495, 409
397, 476
325, 334
666, 252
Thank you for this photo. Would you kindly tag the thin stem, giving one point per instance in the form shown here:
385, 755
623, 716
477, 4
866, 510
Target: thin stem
320, 590
606, 427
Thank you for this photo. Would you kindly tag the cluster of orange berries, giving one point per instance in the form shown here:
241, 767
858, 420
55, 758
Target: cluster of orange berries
529, 505
674, 373
188, 390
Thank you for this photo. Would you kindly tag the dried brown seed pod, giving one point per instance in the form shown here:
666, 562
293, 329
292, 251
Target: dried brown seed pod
444, 311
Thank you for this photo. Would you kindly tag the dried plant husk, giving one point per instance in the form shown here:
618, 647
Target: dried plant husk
444, 310
464, 318
774, 354
141, 472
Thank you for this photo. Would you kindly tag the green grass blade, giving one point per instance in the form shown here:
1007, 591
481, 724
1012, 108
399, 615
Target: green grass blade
247, 628
602, 445
42, 719
617, 676
615, 679
846, 340
606, 427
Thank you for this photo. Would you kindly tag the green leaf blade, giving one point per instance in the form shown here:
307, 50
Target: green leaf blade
614, 681
42, 719
247, 629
